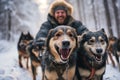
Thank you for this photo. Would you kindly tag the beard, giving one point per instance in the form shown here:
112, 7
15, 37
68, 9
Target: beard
61, 20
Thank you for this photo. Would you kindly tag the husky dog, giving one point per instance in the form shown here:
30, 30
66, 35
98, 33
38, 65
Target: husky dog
60, 57
91, 56
35, 50
110, 49
117, 51
24, 40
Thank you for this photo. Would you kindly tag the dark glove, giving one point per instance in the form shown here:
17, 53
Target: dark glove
39, 43
36, 44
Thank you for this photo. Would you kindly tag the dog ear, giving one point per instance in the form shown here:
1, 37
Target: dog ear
80, 37
102, 30
50, 31
48, 37
76, 37
106, 37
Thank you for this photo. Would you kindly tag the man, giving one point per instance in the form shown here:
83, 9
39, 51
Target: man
60, 13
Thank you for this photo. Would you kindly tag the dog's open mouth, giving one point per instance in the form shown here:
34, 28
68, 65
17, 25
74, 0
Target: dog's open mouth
64, 53
97, 57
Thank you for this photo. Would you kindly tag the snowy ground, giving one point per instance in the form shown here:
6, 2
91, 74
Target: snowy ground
10, 70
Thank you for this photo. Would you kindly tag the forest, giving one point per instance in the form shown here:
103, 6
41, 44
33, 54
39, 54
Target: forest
18, 16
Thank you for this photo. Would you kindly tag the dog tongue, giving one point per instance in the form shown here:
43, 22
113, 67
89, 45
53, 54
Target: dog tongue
64, 53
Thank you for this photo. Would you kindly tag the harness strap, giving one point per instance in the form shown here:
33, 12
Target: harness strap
60, 72
67, 71
92, 72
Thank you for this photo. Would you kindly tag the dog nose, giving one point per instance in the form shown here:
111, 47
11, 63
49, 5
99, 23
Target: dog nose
99, 50
65, 43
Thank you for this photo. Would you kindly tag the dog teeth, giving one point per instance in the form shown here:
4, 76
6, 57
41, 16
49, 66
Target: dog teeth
98, 58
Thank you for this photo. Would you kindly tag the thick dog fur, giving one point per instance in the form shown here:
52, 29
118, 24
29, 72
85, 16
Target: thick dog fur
91, 56
35, 51
111, 47
116, 51
60, 57
24, 40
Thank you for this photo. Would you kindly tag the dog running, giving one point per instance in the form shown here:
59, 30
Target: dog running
91, 56
117, 51
60, 56
24, 40
111, 49
35, 50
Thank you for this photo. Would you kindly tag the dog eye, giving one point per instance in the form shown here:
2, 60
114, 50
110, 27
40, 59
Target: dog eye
91, 41
71, 35
101, 40
58, 35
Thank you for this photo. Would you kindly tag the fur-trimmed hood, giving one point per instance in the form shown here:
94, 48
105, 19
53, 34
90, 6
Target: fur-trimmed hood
61, 3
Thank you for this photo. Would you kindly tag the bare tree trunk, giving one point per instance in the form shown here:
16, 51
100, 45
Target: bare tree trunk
108, 17
3, 20
9, 24
100, 16
112, 17
76, 9
117, 14
82, 11
118, 3
79, 9
94, 14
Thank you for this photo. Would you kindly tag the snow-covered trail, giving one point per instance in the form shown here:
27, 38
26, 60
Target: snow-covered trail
10, 70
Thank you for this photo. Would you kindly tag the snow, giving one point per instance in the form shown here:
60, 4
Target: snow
27, 16
9, 67
10, 70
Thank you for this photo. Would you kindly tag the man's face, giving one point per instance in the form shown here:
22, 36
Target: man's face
60, 16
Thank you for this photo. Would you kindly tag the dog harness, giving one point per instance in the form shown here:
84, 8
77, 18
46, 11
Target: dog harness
64, 66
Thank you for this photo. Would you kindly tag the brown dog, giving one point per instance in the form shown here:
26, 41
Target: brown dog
60, 57
24, 40
35, 50
117, 51
110, 48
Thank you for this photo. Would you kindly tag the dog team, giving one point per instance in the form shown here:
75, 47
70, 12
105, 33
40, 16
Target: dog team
65, 49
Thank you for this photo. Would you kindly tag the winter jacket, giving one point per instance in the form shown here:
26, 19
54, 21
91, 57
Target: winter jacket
52, 23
